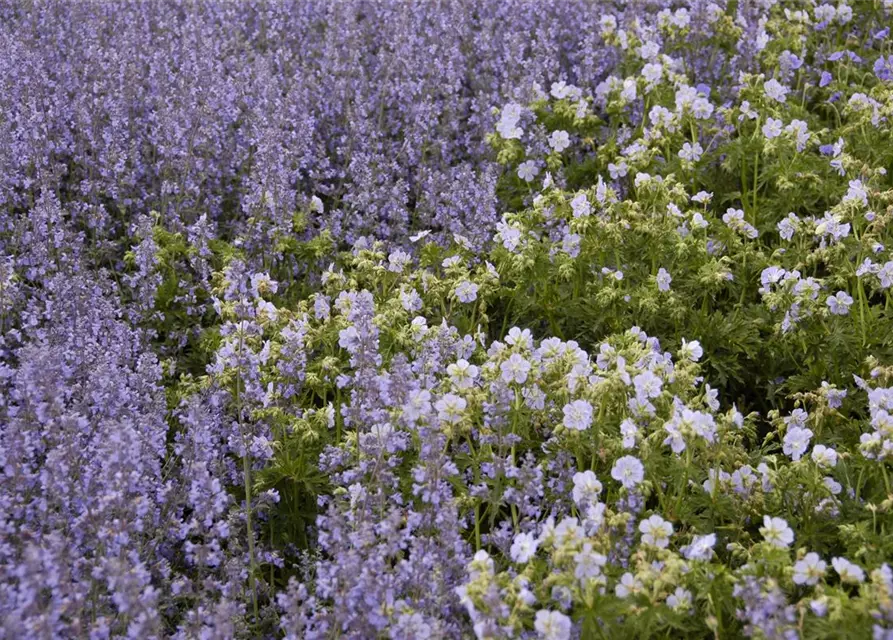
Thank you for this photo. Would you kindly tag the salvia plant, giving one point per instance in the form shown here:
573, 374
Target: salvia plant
472, 318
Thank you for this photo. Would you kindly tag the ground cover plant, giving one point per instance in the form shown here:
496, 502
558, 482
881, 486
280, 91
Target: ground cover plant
446, 319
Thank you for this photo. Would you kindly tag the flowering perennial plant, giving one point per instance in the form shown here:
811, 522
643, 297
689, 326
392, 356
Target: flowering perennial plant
439, 320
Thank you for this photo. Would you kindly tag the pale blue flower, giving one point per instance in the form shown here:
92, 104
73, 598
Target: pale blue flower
466, 291
656, 531
701, 547
796, 442
772, 128
775, 90
515, 369
810, 569
663, 279
559, 141
628, 471
777, 532
523, 548
848, 571
528, 170
839, 304
586, 487
578, 415
552, 625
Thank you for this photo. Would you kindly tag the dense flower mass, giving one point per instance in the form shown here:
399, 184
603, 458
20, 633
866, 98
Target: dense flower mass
472, 318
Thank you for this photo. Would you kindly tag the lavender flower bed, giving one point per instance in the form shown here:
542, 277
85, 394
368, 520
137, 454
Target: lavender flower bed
470, 318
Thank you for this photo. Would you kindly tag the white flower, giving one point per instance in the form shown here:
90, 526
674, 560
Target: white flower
580, 206
528, 170
561, 90
601, 190
586, 487
450, 408
691, 152
418, 327
628, 471
701, 547
839, 304
267, 311
762, 40
848, 571
552, 625
810, 569
567, 531
382, 431
680, 599
607, 24
578, 415
824, 13
796, 442
642, 179
832, 485
772, 128
524, 548
692, 350
664, 279
824, 456
559, 141
452, 261
507, 126
517, 337
262, 283
618, 171
649, 50
628, 584
594, 517
844, 13
675, 440
777, 532
647, 385
481, 562
653, 72
462, 374
775, 90
734, 218
819, 606
628, 93
701, 108
417, 405
410, 300
801, 131
570, 244
515, 369
702, 197
466, 291
357, 494
656, 531
630, 432
588, 564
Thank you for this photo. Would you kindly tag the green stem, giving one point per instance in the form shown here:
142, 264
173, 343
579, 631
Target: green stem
684, 481
859, 483
505, 318
477, 527
862, 305
886, 478
756, 173
246, 479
